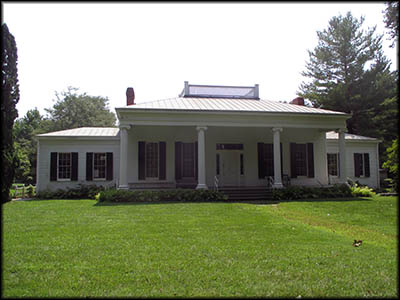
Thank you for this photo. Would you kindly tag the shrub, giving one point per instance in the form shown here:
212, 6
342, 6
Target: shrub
175, 195
362, 191
82, 191
303, 192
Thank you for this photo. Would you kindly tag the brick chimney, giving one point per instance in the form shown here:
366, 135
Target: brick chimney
130, 96
297, 101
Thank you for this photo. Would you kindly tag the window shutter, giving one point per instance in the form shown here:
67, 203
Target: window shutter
261, 170
281, 159
310, 159
338, 164
142, 160
162, 161
74, 171
53, 166
366, 164
196, 160
110, 166
178, 160
357, 157
293, 160
89, 166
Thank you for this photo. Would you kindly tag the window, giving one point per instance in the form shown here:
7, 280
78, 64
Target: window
188, 160
152, 160
99, 165
64, 166
333, 164
361, 165
301, 160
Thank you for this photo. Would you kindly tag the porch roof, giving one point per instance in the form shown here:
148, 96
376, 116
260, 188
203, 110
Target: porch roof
227, 105
332, 135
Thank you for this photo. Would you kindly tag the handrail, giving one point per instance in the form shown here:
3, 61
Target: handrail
216, 181
270, 181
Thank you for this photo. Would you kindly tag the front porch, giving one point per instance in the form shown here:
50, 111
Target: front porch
210, 157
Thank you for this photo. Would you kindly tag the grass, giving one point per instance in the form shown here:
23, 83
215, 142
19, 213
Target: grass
79, 248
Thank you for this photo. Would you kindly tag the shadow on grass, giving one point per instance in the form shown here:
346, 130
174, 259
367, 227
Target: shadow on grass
266, 202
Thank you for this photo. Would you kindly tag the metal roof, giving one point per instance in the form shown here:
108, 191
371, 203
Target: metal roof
227, 104
84, 132
332, 135
114, 132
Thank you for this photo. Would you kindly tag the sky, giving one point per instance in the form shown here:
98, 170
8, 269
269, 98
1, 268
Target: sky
103, 48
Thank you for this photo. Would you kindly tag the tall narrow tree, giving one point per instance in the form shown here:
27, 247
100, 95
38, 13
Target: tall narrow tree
9, 99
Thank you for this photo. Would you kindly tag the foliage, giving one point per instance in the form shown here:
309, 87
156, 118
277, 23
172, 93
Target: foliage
392, 163
303, 192
73, 110
348, 72
174, 195
9, 99
391, 19
82, 191
361, 191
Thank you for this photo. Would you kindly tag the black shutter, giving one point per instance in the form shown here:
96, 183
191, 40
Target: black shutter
178, 160
89, 166
281, 159
357, 158
110, 166
261, 169
142, 160
74, 171
310, 159
293, 160
53, 166
366, 165
196, 160
162, 161
338, 164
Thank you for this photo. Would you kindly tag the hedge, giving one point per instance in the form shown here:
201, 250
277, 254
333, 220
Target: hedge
303, 192
173, 195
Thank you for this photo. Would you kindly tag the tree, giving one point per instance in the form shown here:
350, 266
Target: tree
391, 19
392, 163
9, 99
73, 110
25, 145
350, 73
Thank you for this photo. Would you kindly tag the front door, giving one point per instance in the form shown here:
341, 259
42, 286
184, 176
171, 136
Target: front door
229, 168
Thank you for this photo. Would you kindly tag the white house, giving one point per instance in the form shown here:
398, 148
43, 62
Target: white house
208, 136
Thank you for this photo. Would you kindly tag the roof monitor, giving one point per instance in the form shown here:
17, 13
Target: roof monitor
219, 91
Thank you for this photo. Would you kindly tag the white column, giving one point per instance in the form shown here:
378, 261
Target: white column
123, 158
38, 189
342, 154
201, 157
277, 158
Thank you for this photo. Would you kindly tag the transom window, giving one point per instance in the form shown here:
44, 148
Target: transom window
64, 166
99, 165
152, 160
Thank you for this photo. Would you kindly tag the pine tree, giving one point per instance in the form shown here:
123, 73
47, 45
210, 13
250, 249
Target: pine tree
9, 99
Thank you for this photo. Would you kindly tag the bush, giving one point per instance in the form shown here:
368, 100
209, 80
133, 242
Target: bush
83, 191
174, 195
303, 192
362, 191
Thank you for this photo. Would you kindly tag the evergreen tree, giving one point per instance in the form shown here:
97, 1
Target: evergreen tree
392, 20
9, 99
348, 72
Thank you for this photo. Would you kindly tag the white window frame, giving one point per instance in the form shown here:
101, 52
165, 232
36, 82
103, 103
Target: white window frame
105, 166
58, 166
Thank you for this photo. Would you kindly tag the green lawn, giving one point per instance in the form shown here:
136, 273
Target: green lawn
78, 248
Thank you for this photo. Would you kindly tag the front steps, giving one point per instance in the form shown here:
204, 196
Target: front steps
247, 193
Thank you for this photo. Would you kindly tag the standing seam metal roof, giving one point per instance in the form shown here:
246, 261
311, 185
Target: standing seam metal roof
224, 104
